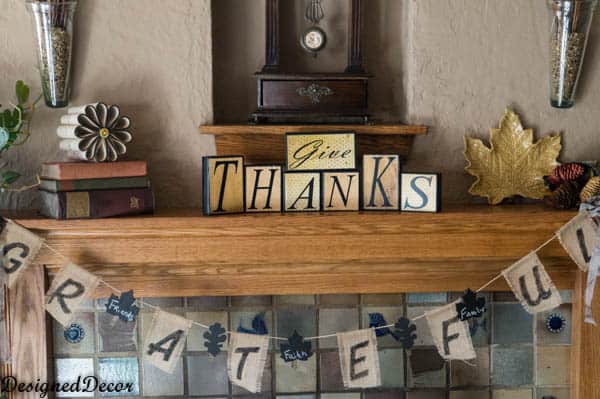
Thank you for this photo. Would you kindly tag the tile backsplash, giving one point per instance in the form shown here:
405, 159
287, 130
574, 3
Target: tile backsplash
517, 356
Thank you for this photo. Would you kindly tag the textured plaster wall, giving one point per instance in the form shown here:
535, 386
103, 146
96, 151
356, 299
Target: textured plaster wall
152, 57
451, 64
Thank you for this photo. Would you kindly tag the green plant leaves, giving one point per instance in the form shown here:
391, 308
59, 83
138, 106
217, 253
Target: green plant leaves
22, 91
4, 137
8, 177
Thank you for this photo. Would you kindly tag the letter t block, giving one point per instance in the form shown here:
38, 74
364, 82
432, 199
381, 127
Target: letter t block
223, 184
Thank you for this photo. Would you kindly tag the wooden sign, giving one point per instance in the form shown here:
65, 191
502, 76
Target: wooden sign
421, 192
381, 182
341, 191
320, 151
263, 188
302, 191
223, 190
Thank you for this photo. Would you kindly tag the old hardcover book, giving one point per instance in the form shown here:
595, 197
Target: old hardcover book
56, 186
97, 203
84, 170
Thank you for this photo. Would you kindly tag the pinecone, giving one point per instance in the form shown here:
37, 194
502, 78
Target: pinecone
568, 172
566, 196
590, 190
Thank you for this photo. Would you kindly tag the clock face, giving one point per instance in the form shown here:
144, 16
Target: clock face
313, 39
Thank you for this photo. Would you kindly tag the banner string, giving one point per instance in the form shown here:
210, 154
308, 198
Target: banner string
313, 338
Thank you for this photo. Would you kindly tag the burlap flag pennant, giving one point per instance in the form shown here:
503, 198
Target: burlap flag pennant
19, 248
592, 276
71, 286
578, 237
165, 340
451, 336
532, 285
359, 359
246, 360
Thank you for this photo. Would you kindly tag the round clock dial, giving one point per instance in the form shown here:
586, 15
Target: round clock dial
313, 39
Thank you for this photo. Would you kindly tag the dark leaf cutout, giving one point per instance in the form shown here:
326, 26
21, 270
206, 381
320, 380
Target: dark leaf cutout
474, 326
471, 306
377, 320
124, 307
296, 348
259, 327
215, 336
405, 332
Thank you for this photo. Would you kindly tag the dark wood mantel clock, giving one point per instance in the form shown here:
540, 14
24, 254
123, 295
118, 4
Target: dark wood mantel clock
285, 97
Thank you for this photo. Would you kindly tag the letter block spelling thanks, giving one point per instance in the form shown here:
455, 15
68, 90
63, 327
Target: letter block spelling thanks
223, 184
381, 182
263, 188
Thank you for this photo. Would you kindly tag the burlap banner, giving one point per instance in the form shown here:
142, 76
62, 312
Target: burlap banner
19, 248
71, 286
451, 336
359, 359
246, 360
532, 285
578, 237
165, 340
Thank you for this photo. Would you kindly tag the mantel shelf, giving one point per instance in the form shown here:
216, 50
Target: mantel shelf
274, 129
265, 144
181, 252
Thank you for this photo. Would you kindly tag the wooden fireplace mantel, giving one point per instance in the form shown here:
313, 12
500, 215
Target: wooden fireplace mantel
181, 253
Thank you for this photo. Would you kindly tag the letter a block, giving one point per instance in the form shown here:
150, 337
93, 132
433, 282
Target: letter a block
341, 191
381, 182
302, 191
223, 185
421, 192
263, 188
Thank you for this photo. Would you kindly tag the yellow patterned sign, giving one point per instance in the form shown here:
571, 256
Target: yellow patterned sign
320, 151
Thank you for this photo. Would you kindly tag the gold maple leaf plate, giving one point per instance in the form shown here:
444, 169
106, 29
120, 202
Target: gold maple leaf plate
513, 164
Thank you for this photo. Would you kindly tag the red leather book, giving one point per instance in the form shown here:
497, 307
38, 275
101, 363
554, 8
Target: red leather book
84, 170
97, 203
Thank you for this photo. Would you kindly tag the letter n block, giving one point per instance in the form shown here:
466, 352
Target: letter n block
381, 182
421, 192
302, 191
263, 188
341, 191
223, 184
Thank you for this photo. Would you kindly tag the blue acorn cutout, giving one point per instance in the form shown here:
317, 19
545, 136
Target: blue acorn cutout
215, 336
405, 332
296, 348
377, 320
471, 306
74, 334
124, 307
556, 323
259, 327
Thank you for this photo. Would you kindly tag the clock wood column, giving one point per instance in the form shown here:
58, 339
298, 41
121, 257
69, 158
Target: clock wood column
355, 58
272, 39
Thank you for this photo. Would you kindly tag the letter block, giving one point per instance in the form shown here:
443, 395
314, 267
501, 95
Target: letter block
263, 188
223, 184
381, 182
341, 191
421, 192
314, 152
302, 191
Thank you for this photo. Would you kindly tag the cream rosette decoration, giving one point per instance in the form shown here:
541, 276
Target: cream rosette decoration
103, 133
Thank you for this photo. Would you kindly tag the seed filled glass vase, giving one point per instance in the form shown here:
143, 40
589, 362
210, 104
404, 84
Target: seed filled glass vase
53, 24
570, 29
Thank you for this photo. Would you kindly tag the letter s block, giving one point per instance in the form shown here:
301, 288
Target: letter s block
223, 184
421, 192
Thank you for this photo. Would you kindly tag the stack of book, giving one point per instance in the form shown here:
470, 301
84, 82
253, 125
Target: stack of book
74, 190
